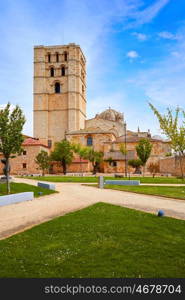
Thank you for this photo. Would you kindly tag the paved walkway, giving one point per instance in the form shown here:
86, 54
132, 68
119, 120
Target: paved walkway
74, 196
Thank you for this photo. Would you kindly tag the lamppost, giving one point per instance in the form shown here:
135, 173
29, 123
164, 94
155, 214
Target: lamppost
125, 129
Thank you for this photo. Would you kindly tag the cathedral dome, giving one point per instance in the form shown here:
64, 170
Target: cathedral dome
110, 115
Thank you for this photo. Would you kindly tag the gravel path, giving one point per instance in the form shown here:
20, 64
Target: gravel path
74, 196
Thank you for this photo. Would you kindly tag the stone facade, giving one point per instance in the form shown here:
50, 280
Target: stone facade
59, 91
25, 163
171, 166
107, 136
77, 166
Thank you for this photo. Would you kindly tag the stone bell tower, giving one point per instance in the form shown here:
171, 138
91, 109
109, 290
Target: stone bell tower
59, 91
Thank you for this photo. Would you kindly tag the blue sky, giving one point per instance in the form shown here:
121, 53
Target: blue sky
135, 51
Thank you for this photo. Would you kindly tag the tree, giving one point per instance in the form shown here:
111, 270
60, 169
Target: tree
153, 168
63, 153
174, 129
123, 149
43, 161
81, 151
144, 149
168, 154
135, 163
11, 138
109, 160
95, 157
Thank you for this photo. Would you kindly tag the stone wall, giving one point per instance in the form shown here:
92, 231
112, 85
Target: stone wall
99, 139
24, 164
74, 167
171, 165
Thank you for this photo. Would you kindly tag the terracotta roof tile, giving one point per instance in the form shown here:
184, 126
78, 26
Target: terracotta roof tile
32, 142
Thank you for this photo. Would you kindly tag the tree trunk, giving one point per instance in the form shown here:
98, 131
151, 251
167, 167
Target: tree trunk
81, 165
64, 167
143, 170
181, 165
94, 169
7, 166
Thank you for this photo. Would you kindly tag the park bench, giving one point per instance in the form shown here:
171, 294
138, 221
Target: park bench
15, 198
48, 186
122, 182
102, 183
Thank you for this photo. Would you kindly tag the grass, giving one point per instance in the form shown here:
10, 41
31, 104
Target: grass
23, 187
65, 179
102, 240
91, 179
177, 192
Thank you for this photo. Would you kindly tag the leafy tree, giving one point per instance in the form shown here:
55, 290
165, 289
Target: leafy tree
63, 152
174, 129
43, 161
95, 157
11, 138
109, 160
123, 149
135, 163
81, 151
144, 149
153, 168
168, 154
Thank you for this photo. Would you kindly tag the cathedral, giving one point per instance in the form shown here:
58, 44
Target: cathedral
59, 111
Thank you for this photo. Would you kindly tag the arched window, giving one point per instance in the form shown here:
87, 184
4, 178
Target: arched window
57, 57
89, 141
83, 89
57, 87
49, 57
52, 71
63, 71
65, 56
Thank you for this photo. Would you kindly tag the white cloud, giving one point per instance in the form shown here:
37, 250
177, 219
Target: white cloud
168, 35
148, 14
140, 36
132, 54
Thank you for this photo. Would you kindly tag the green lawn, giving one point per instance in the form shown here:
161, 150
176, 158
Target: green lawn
102, 240
165, 191
23, 187
90, 179
65, 178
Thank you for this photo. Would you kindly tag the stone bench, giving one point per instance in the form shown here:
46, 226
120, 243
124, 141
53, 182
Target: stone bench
122, 182
16, 198
118, 176
48, 186
3, 179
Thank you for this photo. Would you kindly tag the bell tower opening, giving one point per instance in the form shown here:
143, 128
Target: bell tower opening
57, 88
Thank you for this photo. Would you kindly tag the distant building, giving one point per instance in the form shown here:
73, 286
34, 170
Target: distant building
60, 112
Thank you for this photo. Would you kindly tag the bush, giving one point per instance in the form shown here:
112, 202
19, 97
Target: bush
135, 163
153, 168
